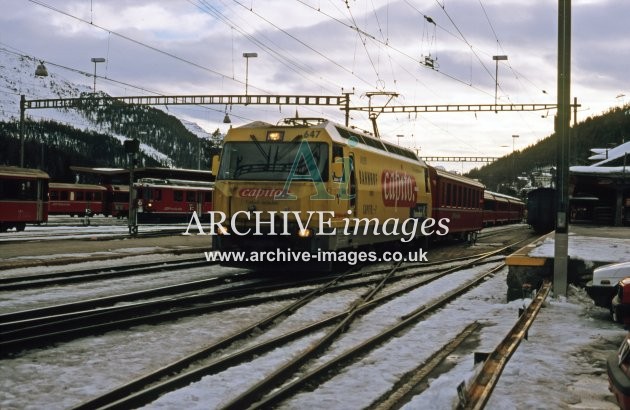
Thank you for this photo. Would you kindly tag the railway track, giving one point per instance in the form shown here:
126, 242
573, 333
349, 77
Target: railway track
137, 393
79, 233
43, 326
408, 384
85, 275
480, 388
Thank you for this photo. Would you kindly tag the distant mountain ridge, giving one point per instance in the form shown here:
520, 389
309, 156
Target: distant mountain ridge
603, 131
89, 135
92, 136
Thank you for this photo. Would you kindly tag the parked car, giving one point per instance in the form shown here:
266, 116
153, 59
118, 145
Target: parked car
605, 278
618, 367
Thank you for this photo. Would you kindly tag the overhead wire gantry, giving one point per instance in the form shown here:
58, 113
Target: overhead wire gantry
342, 101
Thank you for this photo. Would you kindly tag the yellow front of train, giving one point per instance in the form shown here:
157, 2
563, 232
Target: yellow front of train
312, 186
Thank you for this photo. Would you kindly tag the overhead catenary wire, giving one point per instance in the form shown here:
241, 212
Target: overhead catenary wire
84, 73
378, 37
140, 43
303, 43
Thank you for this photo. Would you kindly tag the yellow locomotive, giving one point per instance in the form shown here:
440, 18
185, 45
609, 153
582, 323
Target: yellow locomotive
312, 185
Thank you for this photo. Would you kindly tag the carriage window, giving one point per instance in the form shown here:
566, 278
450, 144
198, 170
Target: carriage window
18, 189
178, 196
78, 196
98, 196
190, 196
54, 195
63, 195
88, 196
157, 194
208, 197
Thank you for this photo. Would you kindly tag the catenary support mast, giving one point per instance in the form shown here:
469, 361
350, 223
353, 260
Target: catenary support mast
563, 130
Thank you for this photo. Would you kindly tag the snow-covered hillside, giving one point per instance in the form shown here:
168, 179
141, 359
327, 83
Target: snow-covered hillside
17, 77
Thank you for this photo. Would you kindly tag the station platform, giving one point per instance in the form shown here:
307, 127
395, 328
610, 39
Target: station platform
590, 246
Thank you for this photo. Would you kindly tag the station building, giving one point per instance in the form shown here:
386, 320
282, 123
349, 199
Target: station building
600, 193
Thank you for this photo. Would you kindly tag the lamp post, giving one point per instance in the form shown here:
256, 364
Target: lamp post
247, 57
496, 75
96, 60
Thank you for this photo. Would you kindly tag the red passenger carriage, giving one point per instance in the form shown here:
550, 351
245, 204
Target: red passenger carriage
117, 200
460, 200
23, 197
76, 199
500, 209
172, 199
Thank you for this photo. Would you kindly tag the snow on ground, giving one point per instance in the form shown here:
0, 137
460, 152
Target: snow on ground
562, 365
52, 233
589, 248
70, 373
17, 300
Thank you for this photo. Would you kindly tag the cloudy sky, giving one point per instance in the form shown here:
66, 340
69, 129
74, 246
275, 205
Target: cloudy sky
326, 47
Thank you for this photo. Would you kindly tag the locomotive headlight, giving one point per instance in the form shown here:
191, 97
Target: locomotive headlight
275, 136
305, 233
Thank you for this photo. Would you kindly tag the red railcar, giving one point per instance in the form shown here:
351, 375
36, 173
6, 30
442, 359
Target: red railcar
23, 197
500, 209
76, 199
117, 200
172, 199
460, 200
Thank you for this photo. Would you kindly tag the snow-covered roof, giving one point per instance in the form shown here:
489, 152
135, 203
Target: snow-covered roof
611, 154
611, 163
600, 170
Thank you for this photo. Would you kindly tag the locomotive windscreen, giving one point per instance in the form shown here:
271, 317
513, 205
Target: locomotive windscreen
272, 161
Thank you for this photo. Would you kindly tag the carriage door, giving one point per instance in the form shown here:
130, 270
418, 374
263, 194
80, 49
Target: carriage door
40, 200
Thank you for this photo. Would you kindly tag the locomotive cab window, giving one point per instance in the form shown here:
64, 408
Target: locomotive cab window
273, 161
178, 196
